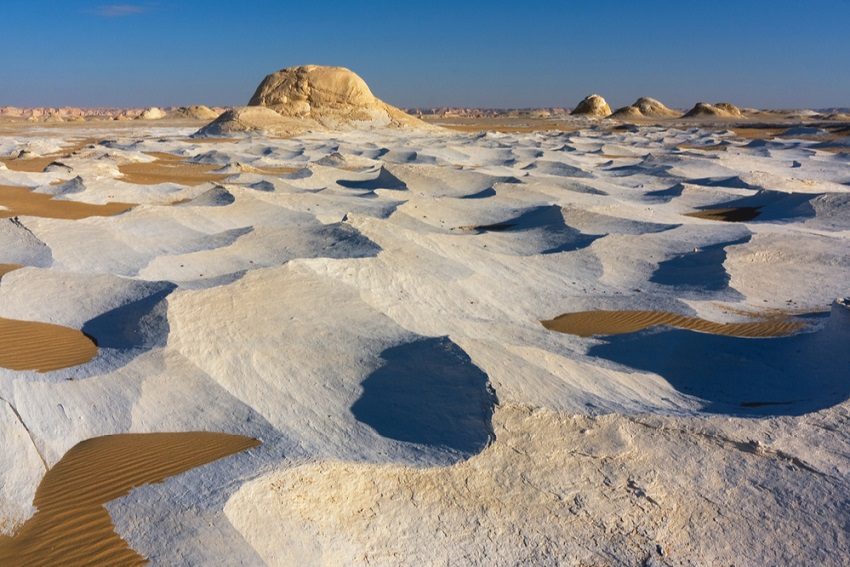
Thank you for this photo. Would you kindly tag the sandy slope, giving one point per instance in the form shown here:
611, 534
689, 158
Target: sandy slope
368, 305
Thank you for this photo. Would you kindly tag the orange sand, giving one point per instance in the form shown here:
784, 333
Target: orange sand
590, 323
739, 214
37, 164
22, 201
71, 526
6, 268
29, 345
168, 168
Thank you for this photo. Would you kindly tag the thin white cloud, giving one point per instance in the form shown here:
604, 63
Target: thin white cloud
119, 10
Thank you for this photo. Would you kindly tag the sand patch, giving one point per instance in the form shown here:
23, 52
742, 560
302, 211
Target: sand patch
37, 164
6, 268
712, 148
72, 527
22, 201
591, 323
31, 345
757, 133
169, 168
281, 170
727, 214
208, 140
506, 126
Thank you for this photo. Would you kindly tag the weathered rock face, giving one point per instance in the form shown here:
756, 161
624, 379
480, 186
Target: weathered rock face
719, 110
593, 105
332, 96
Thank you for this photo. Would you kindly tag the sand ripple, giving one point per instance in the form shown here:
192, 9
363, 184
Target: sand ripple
72, 527
30, 345
590, 323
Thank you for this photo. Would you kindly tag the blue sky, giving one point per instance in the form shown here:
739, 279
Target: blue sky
768, 53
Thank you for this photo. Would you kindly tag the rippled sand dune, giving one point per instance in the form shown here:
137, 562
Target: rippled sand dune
72, 527
29, 345
590, 323
368, 302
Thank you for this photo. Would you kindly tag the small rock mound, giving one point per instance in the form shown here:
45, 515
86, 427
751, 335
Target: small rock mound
718, 110
254, 119
195, 112
652, 107
645, 107
332, 96
593, 105
152, 113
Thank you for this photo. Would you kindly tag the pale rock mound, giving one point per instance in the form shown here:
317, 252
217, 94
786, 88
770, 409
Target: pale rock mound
300, 99
332, 96
718, 110
645, 107
195, 112
256, 119
652, 107
152, 113
593, 105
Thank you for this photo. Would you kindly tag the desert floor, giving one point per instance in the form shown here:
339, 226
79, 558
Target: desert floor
505, 342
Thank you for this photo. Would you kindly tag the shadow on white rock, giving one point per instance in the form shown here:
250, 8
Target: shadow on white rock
429, 392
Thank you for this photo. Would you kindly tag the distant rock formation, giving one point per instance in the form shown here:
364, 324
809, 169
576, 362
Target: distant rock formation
593, 105
75, 114
152, 113
645, 107
194, 112
717, 110
462, 112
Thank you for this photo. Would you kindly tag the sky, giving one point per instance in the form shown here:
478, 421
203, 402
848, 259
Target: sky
528, 53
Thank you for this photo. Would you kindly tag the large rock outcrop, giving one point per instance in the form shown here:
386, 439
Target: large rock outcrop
312, 97
328, 95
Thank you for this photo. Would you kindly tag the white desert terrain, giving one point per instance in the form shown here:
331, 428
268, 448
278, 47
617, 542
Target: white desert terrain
319, 331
